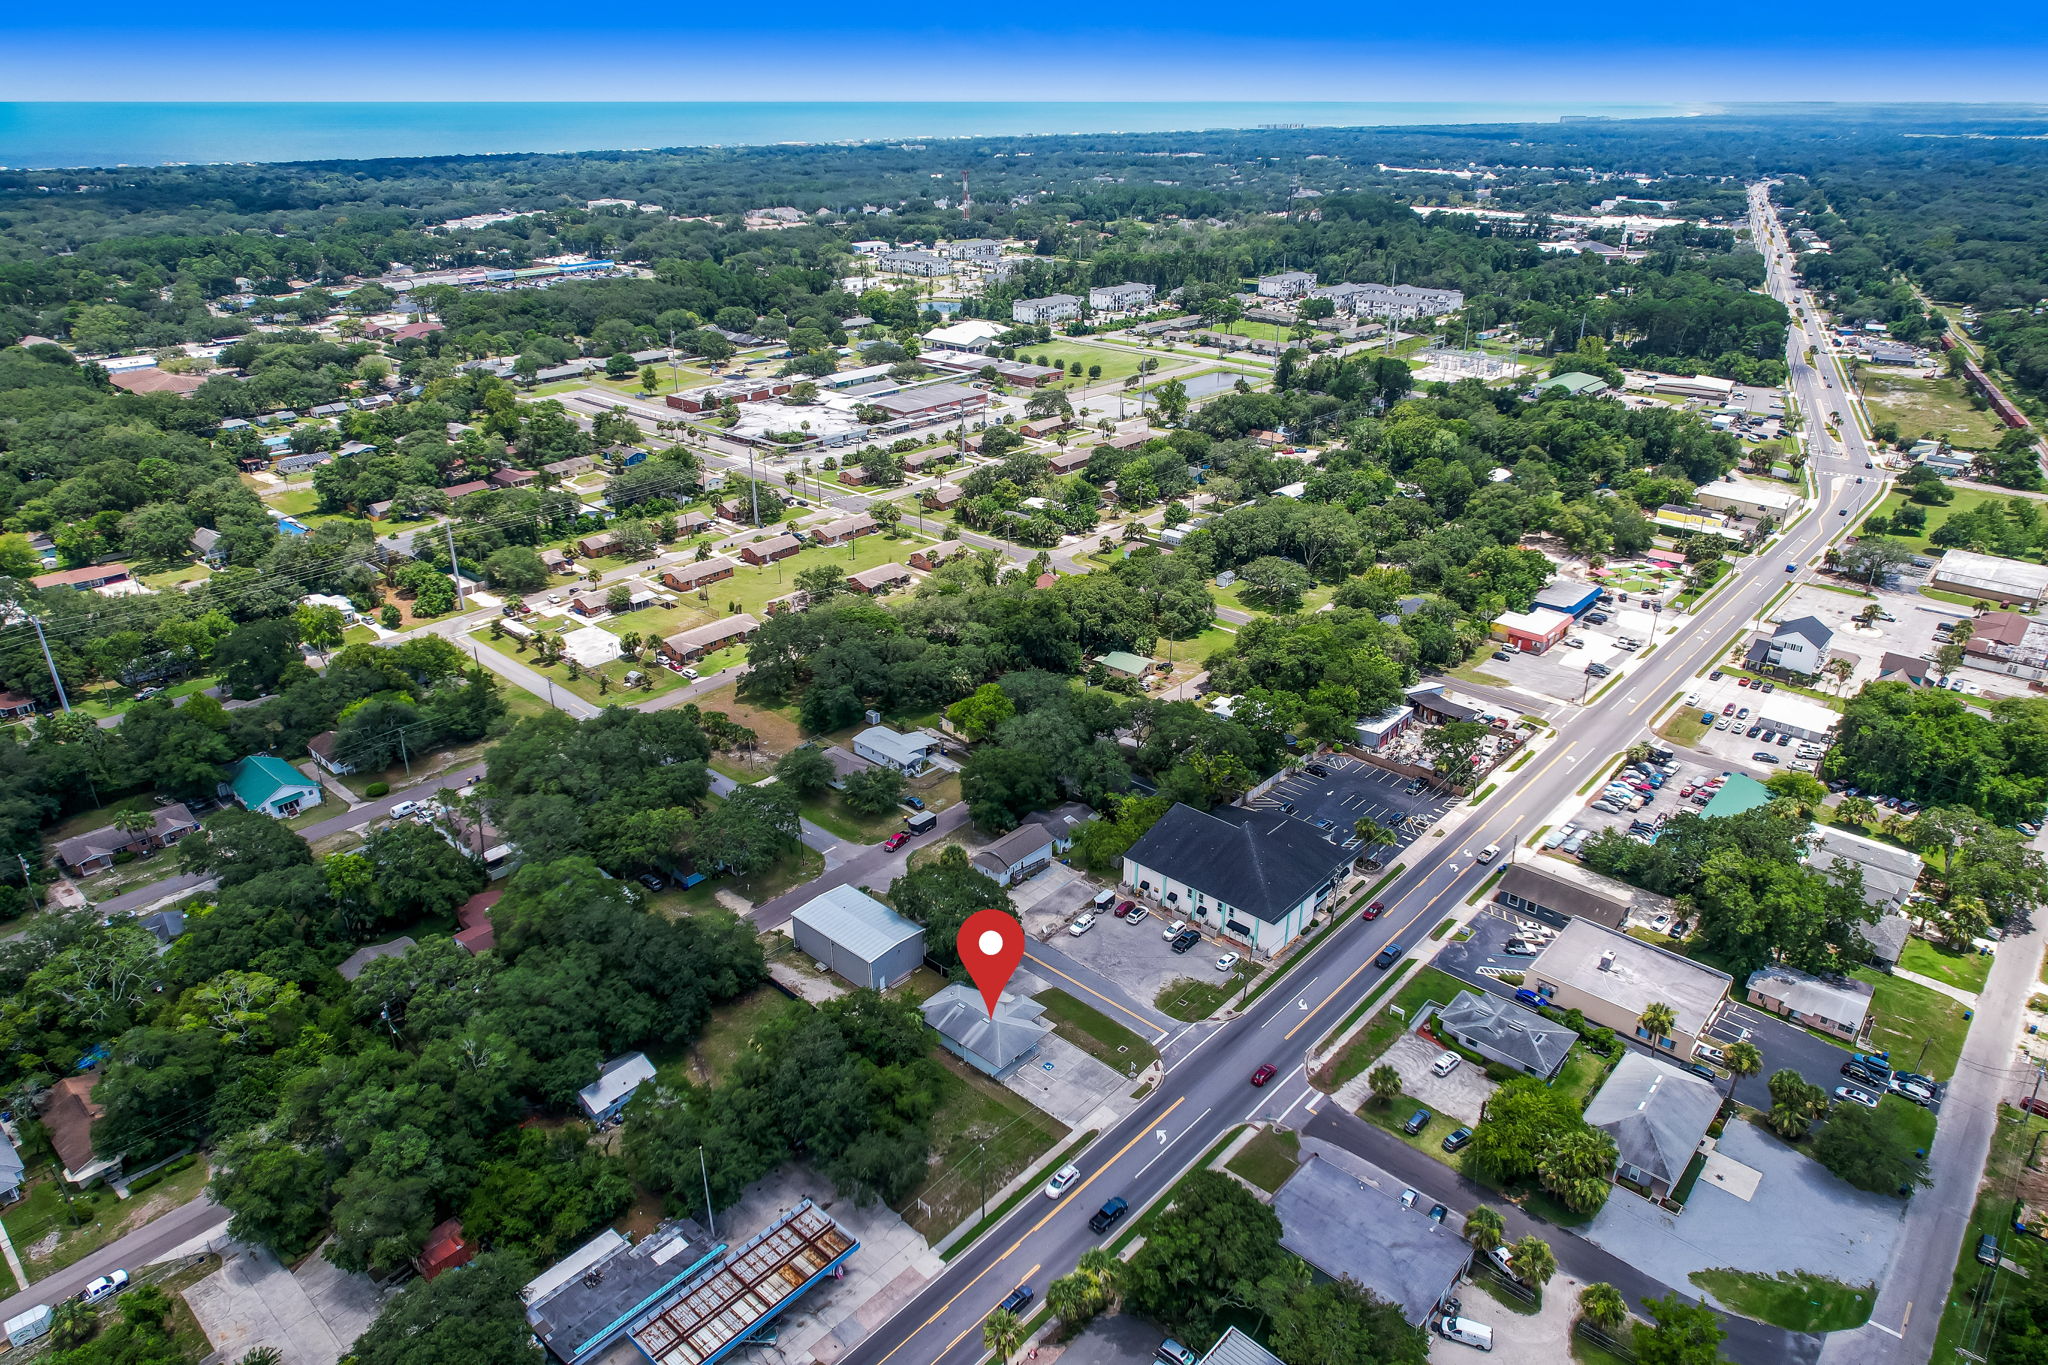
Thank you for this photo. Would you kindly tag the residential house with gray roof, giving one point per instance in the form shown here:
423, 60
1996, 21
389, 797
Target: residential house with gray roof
1657, 1116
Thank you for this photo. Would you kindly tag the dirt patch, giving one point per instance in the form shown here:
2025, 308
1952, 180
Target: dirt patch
777, 734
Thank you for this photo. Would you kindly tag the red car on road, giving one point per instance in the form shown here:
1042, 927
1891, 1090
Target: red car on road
896, 841
1264, 1074
1375, 910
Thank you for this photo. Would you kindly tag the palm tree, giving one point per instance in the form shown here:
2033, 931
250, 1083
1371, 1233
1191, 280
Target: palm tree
1743, 1060
264, 1355
1385, 1082
134, 821
1106, 1269
1603, 1306
1657, 1021
1533, 1260
1484, 1228
1002, 1334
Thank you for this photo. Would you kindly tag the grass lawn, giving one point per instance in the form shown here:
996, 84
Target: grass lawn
1797, 1302
1470, 673
1909, 1016
1116, 364
749, 589
1966, 499
585, 685
1583, 1071
1096, 1033
1262, 331
1684, 726
1361, 1052
830, 812
172, 577
1268, 1159
983, 1136
1588, 1353
114, 699
682, 377
1928, 407
296, 503
48, 1241
1196, 998
1965, 971
1978, 1291
728, 1034
1310, 600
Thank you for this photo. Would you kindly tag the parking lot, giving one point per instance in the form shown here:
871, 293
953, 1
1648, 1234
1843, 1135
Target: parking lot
1661, 802
1478, 958
1354, 791
1560, 671
1135, 961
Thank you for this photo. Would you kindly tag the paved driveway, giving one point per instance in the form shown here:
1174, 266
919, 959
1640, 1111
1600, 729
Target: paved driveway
312, 1317
1799, 1218
1462, 1094
1784, 1046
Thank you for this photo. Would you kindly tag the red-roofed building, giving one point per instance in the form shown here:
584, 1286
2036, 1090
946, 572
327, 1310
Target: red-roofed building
477, 933
463, 490
92, 576
445, 1250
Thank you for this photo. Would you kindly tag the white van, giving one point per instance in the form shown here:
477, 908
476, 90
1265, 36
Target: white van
1467, 1331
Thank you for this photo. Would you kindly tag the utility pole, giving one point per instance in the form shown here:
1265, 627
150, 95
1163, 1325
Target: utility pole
455, 569
710, 1219
55, 681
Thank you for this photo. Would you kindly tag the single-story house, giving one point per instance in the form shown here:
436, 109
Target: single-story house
69, 1115
769, 550
206, 545
879, 579
270, 786
845, 529
1613, 978
1839, 1006
931, 556
321, 747
994, 1044
446, 1249
477, 934
11, 1170
556, 561
84, 854
688, 577
944, 496
14, 706
1023, 852
858, 937
1125, 664
1257, 876
483, 841
909, 754
1657, 1116
1409, 1260
595, 546
690, 645
85, 579
1890, 873
604, 1097
1500, 1030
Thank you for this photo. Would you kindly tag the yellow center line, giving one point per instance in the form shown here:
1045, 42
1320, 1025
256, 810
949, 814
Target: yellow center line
947, 1306
1343, 985
943, 1350
1142, 1020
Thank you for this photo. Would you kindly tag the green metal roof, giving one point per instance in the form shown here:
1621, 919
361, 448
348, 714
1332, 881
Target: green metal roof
1123, 661
260, 777
1737, 794
1573, 382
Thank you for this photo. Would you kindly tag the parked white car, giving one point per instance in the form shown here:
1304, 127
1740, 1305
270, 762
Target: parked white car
1082, 925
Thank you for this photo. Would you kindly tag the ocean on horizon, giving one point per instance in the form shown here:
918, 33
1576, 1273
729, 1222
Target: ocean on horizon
50, 135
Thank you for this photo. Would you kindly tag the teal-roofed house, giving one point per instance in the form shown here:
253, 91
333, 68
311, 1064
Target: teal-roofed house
1576, 384
1737, 794
270, 786
1129, 665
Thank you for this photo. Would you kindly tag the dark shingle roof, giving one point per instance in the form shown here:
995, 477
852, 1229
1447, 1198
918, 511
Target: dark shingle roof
1249, 860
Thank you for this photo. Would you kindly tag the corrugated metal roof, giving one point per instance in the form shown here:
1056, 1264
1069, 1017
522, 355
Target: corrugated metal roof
857, 922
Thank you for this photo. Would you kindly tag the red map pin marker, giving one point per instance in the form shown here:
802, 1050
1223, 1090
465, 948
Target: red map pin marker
991, 945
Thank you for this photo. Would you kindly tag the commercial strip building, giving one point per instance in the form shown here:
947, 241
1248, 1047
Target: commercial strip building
1557, 891
725, 1303
2007, 581
1531, 632
1749, 499
1612, 979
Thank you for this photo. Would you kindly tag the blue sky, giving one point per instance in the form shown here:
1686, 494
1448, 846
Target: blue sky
1197, 49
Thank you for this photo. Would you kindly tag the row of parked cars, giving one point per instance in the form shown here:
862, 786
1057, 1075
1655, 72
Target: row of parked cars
1871, 1076
1180, 936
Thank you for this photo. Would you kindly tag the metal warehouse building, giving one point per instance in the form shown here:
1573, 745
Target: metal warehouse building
858, 937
